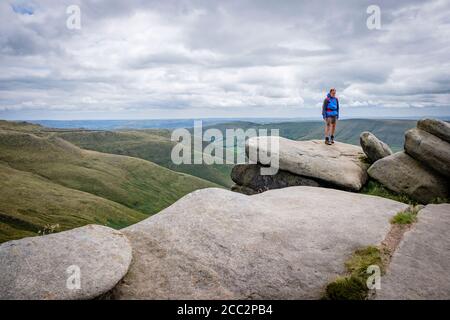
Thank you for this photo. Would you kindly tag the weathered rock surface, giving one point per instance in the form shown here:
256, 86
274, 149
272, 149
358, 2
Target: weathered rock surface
243, 189
339, 164
420, 266
39, 267
374, 148
428, 149
436, 127
402, 174
249, 175
285, 243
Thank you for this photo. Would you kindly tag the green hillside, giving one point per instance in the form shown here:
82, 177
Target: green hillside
152, 145
29, 202
47, 180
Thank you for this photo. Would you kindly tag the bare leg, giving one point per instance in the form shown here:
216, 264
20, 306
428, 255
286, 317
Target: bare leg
327, 127
327, 130
333, 128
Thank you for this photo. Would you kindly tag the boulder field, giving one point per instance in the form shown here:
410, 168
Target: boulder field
422, 170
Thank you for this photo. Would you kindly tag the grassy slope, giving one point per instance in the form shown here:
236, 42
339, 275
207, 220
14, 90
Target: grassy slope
28, 202
46, 171
152, 145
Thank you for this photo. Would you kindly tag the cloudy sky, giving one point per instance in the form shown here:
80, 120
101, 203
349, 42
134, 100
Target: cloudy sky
235, 58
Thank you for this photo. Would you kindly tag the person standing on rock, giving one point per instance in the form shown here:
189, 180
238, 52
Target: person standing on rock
330, 113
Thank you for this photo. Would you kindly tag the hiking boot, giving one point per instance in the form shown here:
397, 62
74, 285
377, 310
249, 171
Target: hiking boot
332, 139
327, 141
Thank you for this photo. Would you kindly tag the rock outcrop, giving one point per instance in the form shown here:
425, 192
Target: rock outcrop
374, 148
420, 266
47, 267
423, 169
339, 165
403, 174
429, 150
243, 189
280, 244
249, 175
440, 129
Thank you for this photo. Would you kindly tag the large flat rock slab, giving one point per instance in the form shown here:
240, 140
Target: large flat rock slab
281, 244
42, 267
420, 266
338, 164
403, 174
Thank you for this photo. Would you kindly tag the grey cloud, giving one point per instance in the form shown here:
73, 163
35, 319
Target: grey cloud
218, 57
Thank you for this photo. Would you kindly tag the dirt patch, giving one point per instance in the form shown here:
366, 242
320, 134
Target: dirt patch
391, 242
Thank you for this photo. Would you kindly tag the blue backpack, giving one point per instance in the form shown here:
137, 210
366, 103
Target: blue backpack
332, 107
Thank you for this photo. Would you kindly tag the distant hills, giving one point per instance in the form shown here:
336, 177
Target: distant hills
139, 124
48, 180
389, 130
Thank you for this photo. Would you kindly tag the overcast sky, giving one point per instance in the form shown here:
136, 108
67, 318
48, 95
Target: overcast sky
260, 58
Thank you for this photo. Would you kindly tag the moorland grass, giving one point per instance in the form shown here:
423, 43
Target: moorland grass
374, 188
353, 286
407, 216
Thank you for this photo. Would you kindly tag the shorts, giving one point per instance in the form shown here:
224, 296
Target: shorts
331, 120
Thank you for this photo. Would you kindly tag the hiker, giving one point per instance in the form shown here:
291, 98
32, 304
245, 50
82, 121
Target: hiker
330, 113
